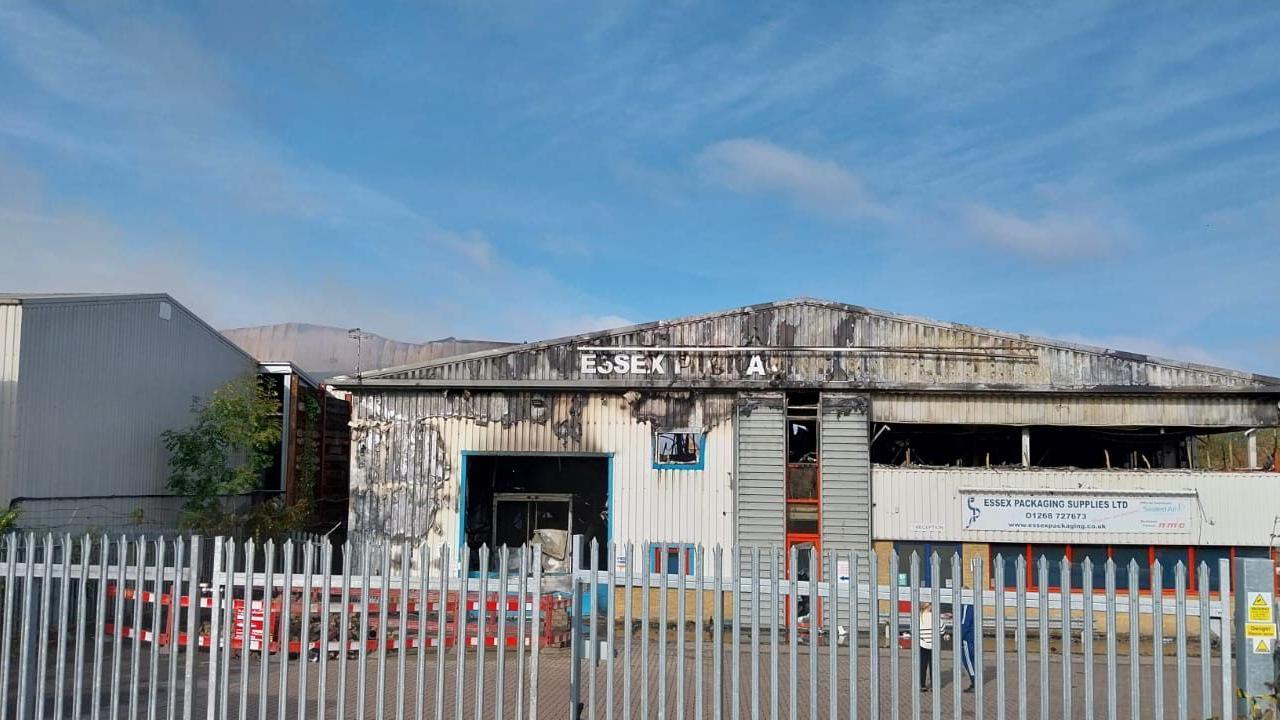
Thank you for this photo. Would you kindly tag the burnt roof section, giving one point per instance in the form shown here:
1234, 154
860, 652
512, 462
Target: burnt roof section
811, 342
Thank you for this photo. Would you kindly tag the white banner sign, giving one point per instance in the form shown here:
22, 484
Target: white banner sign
1075, 512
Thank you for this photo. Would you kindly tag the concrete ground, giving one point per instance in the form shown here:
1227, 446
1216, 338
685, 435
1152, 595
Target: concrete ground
670, 694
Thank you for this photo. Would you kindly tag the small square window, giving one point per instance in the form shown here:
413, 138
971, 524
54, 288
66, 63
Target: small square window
678, 449
672, 559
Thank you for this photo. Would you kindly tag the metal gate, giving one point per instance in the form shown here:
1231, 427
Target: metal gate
211, 628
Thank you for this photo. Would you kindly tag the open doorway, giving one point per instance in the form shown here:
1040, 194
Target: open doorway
520, 499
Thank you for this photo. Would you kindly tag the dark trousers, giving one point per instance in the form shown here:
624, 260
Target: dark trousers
926, 664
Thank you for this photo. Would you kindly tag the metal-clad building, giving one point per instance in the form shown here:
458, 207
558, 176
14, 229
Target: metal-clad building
807, 423
87, 385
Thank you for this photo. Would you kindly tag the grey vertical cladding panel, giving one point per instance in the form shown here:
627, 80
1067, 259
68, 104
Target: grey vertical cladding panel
130, 368
759, 500
844, 454
846, 472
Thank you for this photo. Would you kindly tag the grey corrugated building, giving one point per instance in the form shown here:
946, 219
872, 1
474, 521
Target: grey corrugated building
87, 385
813, 423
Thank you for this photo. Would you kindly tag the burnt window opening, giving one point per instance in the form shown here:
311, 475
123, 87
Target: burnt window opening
1116, 448
950, 445
803, 511
938, 445
802, 404
678, 448
802, 441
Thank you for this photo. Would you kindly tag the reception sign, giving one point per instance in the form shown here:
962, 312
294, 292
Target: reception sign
1075, 513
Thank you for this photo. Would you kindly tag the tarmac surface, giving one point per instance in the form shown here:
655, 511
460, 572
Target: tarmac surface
383, 688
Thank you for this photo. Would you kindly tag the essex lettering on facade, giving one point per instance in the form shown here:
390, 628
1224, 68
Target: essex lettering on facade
602, 363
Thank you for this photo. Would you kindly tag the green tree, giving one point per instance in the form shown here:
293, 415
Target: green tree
8, 519
224, 452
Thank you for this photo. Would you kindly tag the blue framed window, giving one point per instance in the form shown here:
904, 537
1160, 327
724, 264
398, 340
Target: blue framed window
925, 551
673, 559
679, 450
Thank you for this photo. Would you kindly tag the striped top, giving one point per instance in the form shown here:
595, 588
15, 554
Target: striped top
926, 629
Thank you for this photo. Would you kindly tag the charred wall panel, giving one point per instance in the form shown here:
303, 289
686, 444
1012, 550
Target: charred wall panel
408, 456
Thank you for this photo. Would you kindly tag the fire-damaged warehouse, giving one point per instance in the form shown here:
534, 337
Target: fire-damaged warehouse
815, 424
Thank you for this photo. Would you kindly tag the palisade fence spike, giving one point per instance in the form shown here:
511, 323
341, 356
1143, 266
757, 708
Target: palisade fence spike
132, 627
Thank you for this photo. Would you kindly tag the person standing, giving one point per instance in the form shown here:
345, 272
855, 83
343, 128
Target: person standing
968, 638
926, 645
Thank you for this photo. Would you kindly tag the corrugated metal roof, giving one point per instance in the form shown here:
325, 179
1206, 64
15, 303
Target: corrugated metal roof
820, 342
7, 298
327, 351
77, 297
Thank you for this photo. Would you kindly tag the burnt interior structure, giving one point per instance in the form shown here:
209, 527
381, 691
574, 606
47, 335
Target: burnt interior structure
1094, 448
509, 497
954, 445
1126, 448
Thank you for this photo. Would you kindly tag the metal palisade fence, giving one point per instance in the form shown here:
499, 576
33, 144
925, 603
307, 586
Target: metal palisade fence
212, 629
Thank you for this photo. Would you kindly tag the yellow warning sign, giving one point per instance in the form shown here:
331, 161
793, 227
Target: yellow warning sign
1261, 646
1259, 630
1260, 607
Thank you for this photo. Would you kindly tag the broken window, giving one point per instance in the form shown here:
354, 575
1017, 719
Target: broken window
1107, 448
679, 448
938, 445
803, 478
954, 445
802, 441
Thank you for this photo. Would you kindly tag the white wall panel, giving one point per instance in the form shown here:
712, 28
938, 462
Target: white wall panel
10, 352
403, 443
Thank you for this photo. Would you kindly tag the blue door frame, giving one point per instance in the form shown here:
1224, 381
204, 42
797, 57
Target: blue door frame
926, 567
462, 486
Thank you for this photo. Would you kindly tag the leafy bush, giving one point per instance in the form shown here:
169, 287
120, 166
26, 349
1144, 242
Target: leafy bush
224, 452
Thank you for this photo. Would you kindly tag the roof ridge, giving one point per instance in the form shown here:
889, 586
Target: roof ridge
997, 335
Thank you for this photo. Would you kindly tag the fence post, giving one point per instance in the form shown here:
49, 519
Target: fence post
1255, 631
575, 631
30, 633
215, 596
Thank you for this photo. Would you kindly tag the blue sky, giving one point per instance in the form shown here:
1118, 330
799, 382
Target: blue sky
1104, 173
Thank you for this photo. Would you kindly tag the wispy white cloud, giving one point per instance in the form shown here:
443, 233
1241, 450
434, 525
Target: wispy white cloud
1005, 98
814, 185
958, 56
155, 107
1068, 228
157, 101
566, 246
1153, 345
668, 188
1052, 236
53, 244
578, 324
